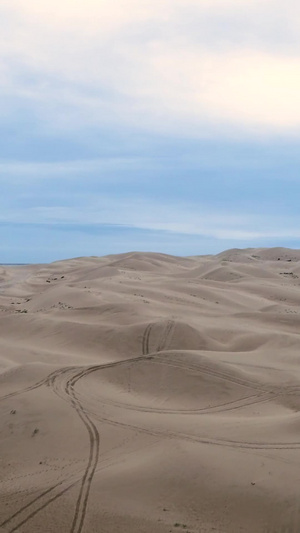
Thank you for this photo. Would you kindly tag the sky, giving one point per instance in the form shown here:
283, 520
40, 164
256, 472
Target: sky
165, 125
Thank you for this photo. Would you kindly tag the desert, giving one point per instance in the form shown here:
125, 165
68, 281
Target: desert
145, 392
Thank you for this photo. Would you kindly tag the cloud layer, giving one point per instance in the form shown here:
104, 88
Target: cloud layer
169, 125
206, 67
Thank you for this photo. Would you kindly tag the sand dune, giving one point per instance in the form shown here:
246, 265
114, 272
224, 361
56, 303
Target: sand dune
149, 393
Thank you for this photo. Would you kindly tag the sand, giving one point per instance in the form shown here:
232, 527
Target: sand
148, 393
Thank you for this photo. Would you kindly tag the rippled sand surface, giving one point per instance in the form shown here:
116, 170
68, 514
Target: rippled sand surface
149, 393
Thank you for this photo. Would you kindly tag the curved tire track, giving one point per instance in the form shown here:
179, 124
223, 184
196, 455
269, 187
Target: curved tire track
48, 380
82, 500
94, 438
232, 405
86, 481
203, 440
205, 369
68, 393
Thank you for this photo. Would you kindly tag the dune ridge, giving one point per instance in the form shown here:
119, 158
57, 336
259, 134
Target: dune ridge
144, 392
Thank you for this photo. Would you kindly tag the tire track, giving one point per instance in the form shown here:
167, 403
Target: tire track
86, 480
22, 391
240, 403
68, 393
204, 369
94, 438
145, 340
192, 438
38, 509
48, 380
275, 390
202, 440
263, 396
51, 379
245, 444
166, 336
105, 463
28, 505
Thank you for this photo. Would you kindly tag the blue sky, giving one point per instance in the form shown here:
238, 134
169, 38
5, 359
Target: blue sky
168, 126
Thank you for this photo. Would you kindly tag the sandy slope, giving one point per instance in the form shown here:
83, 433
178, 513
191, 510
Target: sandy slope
144, 392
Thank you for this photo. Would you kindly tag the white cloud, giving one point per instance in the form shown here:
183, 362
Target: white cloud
141, 213
138, 62
69, 170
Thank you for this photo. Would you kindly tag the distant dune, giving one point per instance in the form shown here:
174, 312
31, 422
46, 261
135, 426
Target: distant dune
149, 393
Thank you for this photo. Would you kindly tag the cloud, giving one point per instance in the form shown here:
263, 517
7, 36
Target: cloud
93, 212
69, 170
166, 120
165, 67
